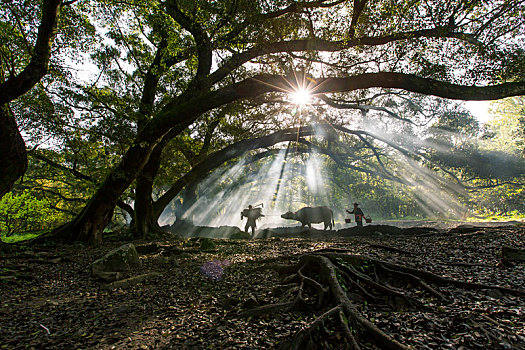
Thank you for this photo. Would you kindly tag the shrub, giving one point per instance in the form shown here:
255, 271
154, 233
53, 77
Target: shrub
24, 212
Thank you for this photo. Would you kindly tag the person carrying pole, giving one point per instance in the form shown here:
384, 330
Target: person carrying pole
252, 214
358, 213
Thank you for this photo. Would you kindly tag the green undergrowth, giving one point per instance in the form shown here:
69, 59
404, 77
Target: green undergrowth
512, 216
18, 237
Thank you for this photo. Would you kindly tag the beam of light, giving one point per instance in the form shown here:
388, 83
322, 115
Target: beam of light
257, 189
283, 195
434, 194
289, 182
282, 184
213, 203
314, 178
224, 194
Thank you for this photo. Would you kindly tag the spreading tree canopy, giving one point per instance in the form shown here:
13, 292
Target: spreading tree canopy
163, 66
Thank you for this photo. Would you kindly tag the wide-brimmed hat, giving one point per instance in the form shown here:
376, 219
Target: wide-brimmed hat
356, 203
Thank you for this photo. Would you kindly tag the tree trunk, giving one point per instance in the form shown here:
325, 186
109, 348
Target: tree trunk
145, 220
13, 154
91, 221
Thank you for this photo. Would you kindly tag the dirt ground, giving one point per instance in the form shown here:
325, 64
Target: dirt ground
49, 300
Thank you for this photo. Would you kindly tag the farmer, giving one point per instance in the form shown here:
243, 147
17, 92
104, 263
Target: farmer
252, 214
358, 214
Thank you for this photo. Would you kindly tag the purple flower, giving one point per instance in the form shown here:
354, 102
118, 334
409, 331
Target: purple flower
214, 269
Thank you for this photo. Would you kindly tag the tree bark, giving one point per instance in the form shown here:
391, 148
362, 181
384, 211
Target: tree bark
13, 154
145, 220
147, 214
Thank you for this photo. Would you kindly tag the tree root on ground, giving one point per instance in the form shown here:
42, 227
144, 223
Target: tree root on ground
336, 284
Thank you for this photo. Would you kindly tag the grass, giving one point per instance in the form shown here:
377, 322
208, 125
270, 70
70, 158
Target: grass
17, 237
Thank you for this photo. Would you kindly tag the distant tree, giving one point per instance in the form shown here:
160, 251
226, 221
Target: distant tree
504, 133
507, 122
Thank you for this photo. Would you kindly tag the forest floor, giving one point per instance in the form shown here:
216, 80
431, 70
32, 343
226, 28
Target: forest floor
49, 301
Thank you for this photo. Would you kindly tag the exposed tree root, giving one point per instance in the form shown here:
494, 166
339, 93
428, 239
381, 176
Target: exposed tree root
391, 249
335, 285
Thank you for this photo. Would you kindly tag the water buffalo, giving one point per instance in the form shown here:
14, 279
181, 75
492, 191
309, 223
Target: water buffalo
309, 216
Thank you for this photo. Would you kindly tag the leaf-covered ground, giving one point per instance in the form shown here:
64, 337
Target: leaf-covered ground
48, 299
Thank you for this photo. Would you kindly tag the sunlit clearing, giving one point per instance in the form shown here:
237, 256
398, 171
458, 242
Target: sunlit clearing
301, 97
225, 194
284, 183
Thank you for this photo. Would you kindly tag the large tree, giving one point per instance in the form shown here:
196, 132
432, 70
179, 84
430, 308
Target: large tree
36, 40
17, 78
237, 50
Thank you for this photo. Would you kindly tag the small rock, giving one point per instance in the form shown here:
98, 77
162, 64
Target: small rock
230, 303
108, 276
184, 255
240, 235
250, 303
122, 310
115, 264
494, 293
